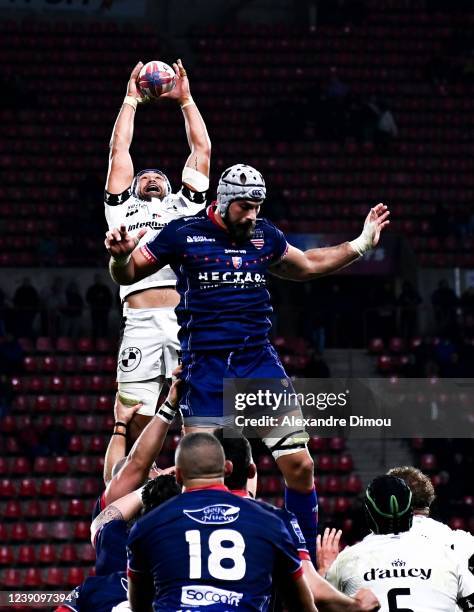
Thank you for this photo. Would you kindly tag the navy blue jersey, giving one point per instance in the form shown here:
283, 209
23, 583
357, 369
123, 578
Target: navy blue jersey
111, 548
212, 549
224, 302
100, 594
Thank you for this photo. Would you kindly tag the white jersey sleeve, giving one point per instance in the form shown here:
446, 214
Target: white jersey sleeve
155, 214
404, 571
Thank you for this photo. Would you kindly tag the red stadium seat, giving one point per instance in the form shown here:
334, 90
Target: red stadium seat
33, 578
353, 484
12, 510
47, 554
85, 345
61, 530
76, 508
457, 522
97, 444
69, 487
49, 364
85, 464
428, 462
54, 577
7, 488
30, 364
63, 403
376, 346
90, 487
337, 443
39, 531
78, 384
57, 384
103, 345
82, 530
27, 488
68, 553
90, 364
316, 445
69, 422
344, 463
26, 555
44, 345
342, 505
75, 444
88, 423
11, 578
105, 403
54, 508
33, 509
83, 403
42, 465
325, 463
19, 532
6, 555
75, 576
43, 403
65, 345
333, 485
265, 464
69, 364
48, 487
60, 465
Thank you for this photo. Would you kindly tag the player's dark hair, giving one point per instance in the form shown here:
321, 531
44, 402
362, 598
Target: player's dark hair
159, 490
419, 484
238, 450
388, 505
200, 455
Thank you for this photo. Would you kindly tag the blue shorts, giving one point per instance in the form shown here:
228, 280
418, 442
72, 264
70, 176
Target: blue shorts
203, 374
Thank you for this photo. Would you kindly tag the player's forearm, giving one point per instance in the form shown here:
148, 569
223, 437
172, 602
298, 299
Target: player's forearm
327, 598
329, 259
122, 134
116, 450
197, 135
122, 271
148, 445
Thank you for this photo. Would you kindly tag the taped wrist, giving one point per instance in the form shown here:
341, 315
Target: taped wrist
131, 101
196, 180
122, 260
363, 243
166, 412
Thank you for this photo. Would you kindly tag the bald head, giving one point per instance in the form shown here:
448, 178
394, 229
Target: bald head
200, 456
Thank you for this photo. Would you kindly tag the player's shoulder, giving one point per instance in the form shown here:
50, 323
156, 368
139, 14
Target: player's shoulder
189, 221
266, 225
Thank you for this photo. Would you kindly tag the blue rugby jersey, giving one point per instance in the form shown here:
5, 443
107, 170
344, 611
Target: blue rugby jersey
111, 548
99, 593
224, 302
212, 550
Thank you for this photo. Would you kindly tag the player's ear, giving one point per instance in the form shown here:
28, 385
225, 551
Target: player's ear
252, 471
179, 476
228, 468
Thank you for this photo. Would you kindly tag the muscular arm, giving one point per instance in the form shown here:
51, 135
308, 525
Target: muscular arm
120, 245
120, 173
301, 597
198, 140
303, 266
122, 509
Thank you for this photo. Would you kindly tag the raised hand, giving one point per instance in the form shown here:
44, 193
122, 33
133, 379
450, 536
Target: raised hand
132, 86
120, 244
375, 221
124, 413
327, 549
180, 91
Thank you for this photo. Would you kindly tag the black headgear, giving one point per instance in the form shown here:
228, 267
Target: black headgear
388, 505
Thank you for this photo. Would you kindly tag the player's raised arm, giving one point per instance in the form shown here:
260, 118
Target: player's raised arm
196, 170
303, 266
127, 263
120, 173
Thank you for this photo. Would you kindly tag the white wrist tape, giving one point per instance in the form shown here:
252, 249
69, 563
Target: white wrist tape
190, 103
131, 101
138, 493
121, 262
194, 179
363, 243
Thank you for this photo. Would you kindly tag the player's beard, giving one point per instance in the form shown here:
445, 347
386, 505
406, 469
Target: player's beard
155, 193
241, 232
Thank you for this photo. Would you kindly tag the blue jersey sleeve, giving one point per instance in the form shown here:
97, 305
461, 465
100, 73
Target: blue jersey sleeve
110, 548
288, 560
163, 248
280, 245
136, 555
291, 523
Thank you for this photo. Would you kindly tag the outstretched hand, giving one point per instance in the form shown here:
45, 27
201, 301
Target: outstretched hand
119, 243
327, 549
375, 221
132, 86
180, 91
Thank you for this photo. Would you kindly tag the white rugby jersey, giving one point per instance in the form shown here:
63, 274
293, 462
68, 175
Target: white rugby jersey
136, 214
405, 572
462, 542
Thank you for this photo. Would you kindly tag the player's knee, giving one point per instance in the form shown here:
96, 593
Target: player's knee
297, 468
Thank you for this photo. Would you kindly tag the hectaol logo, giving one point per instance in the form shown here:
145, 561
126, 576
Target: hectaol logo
202, 595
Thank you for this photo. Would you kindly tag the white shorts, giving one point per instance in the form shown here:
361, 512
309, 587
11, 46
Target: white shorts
149, 347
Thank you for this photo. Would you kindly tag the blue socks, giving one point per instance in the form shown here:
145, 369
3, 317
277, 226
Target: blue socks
305, 507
